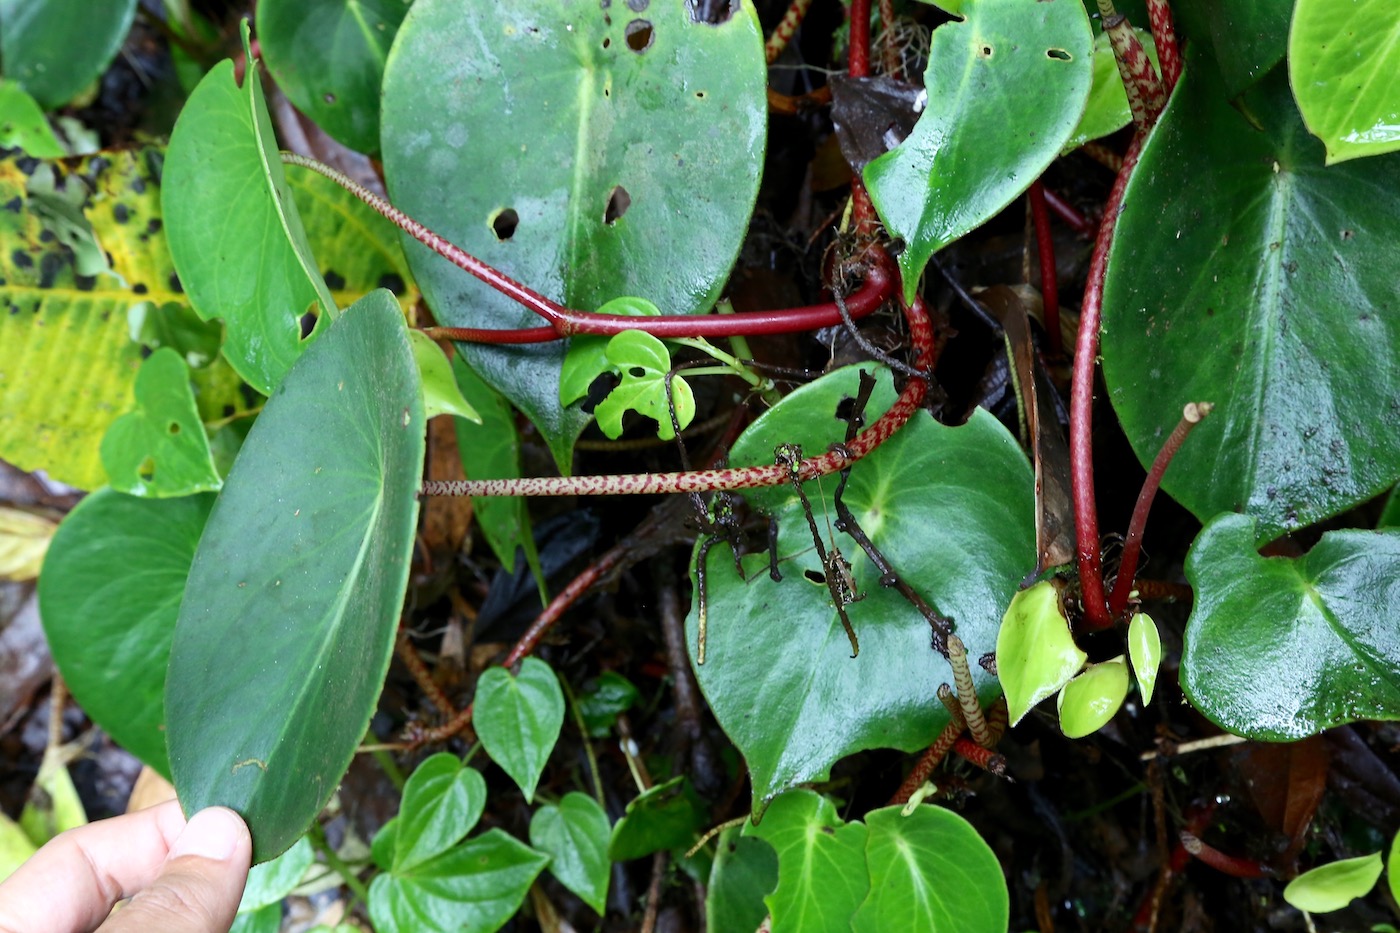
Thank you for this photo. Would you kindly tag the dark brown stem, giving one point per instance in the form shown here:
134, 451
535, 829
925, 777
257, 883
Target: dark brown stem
421, 675
1049, 286
653, 908
1081, 445
927, 762
1132, 545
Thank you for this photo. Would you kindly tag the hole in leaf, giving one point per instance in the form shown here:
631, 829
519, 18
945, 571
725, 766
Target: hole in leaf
700, 94
618, 202
1059, 55
814, 576
985, 51
636, 372
711, 12
640, 35
638, 6
147, 469
504, 222
308, 320
606, 42
174, 428
329, 98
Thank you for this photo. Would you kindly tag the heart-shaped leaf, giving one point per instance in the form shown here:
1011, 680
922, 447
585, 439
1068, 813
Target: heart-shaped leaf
441, 803
109, 596
1246, 273
565, 146
1342, 62
821, 864
1334, 886
1036, 653
587, 358
294, 596
1006, 88
602, 701
930, 871
57, 47
475, 887
160, 449
1280, 648
574, 834
254, 268
1145, 651
952, 509
518, 719
328, 58
1088, 702
667, 816
645, 365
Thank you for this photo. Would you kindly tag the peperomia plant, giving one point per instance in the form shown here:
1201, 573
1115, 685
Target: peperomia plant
572, 186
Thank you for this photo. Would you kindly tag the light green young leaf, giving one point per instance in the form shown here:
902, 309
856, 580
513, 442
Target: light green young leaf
587, 357
645, 364
441, 394
1393, 875
1145, 651
160, 449
1334, 886
53, 805
441, 803
22, 124
1088, 702
575, 836
271, 881
266, 919
518, 719
177, 326
1036, 653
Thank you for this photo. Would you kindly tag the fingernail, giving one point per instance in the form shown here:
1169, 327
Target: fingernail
213, 833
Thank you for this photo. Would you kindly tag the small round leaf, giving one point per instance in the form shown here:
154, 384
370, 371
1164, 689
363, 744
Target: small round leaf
1088, 702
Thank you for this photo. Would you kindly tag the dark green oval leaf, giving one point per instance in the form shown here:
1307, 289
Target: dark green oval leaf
109, 595
667, 816
1247, 274
56, 48
600, 703
1277, 649
575, 835
952, 508
1006, 88
745, 871
566, 146
518, 719
288, 621
328, 57
1247, 37
441, 803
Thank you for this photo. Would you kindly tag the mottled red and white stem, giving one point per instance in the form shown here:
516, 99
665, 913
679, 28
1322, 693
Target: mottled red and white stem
1146, 96
1159, 14
784, 31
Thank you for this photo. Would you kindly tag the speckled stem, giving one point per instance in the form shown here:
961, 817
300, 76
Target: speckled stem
966, 691
1159, 14
1146, 96
785, 29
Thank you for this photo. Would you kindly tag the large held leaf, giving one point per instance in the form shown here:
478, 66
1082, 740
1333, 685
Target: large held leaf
109, 596
441, 803
22, 123
1342, 61
1247, 37
518, 719
56, 48
930, 871
288, 620
1333, 886
67, 363
1036, 652
574, 834
1247, 274
952, 509
745, 871
587, 151
821, 864
475, 888
254, 267
160, 449
1280, 648
328, 57
1006, 88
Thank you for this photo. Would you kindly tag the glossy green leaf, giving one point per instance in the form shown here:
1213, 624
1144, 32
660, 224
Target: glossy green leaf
160, 449
266, 919
1246, 38
1036, 653
1342, 62
294, 597
930, 871
22, 123
600, 703
822, 878
473, 888
56, 48
1107, 109
1390, 512
1277, 648
952, 509
518, 719
441, 803
645, 365
1006, 88
109, 595
1334, 886
271, 881
328, 58
1247, 274
1145, 651
667, 816
254, 268
574, 834
573, 165
441, 395
745, 871
587, 357
381, 848
1089, 701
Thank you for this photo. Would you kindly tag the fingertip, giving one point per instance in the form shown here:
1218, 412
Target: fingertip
216, 833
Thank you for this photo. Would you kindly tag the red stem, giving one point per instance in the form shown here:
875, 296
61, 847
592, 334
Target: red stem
1132, 545
1159, 15
1066, 212
858, 57
1081, 407
1232, 865
1049, 287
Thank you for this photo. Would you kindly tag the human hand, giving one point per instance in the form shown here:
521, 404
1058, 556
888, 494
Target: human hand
181, 878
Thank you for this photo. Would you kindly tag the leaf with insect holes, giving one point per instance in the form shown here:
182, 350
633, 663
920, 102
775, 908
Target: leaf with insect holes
1335, 885
1145, 650
1088, 702
518, 719
1036, 653
160, 449
645, 365
587, 358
